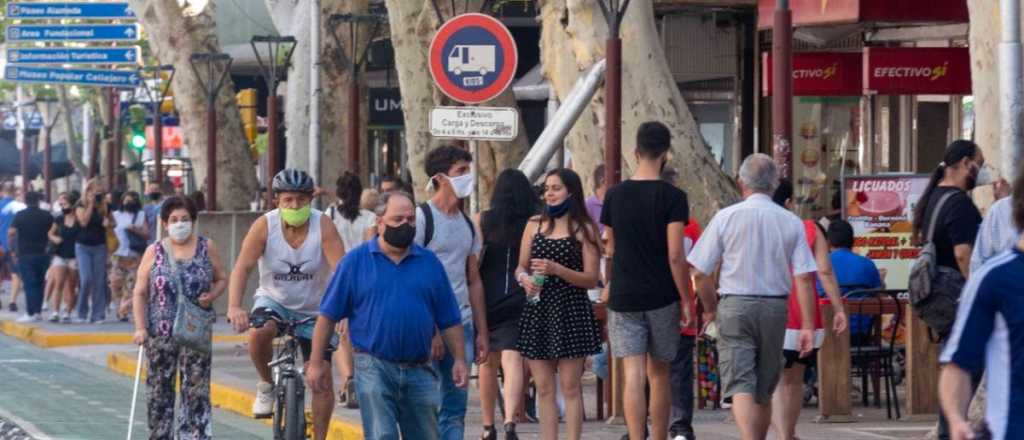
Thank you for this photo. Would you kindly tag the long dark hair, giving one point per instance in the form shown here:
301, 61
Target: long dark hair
579, 218
955, 152
349, 190
512, 205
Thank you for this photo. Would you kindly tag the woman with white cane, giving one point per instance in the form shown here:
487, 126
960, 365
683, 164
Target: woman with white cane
178, 281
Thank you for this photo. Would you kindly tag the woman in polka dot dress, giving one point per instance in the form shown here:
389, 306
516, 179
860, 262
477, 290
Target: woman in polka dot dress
558, 262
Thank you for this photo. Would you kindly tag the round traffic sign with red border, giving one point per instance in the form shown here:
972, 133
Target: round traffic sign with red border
473, 58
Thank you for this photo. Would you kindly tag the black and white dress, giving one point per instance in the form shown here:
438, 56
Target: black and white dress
562, 324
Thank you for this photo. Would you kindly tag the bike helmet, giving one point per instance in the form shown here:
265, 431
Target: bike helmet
292, 180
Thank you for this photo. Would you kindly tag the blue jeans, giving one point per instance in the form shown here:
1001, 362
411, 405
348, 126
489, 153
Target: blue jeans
92, 281
396, 398
33, 274
452, 420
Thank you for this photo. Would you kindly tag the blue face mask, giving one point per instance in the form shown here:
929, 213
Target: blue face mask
557, 211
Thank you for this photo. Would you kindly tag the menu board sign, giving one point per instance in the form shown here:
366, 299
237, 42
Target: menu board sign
880, 209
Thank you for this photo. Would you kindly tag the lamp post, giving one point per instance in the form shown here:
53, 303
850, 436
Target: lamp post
782, 88
49, 121
354, 61
211, 79
272, 67
156, 95
613, 12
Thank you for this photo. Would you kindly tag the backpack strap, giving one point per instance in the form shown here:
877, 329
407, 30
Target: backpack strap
428, 223
472, 229
935, 215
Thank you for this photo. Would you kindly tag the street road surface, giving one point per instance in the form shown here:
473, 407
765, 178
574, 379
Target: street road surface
53, 396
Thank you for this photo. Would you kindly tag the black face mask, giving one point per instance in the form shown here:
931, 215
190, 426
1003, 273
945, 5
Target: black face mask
65, 211
400, 236
155, 196
132, 206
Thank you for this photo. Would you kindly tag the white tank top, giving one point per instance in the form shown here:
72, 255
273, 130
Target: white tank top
293, 278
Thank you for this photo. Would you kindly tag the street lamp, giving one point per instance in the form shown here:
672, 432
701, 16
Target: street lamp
49, 121
156, 95
613, 13
354, 61
211, 80
272, 67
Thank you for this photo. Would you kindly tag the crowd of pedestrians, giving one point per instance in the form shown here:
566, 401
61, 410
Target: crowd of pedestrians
409, 296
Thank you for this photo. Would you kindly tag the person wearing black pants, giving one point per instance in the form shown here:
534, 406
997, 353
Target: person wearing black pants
682, 391
31, 226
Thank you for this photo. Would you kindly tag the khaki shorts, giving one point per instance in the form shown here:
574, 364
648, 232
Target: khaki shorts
751, 332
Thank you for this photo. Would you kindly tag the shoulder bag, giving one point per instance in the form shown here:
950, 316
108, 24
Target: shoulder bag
193, 325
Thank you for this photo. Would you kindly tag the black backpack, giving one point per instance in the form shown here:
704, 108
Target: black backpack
935, 290
428, 224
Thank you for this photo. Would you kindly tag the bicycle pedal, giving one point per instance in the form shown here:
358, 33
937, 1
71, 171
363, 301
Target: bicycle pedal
263, 416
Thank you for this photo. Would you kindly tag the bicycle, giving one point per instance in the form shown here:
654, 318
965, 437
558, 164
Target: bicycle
289, 419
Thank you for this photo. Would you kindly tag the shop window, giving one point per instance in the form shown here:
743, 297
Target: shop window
826, 132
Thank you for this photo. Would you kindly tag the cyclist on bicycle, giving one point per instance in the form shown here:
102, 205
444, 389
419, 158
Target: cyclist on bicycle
297, 249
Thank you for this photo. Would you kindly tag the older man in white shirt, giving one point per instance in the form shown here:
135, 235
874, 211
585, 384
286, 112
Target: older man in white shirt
760, 247
997, 232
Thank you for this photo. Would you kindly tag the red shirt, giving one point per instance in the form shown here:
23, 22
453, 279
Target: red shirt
795, 321
691, 234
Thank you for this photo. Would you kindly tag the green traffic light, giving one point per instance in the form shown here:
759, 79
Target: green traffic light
138, 141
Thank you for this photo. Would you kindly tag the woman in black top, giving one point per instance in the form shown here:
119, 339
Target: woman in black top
63, 267
502, 227
93, 217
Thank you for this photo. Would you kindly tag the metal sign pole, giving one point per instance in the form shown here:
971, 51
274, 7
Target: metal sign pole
474, 149
211, 83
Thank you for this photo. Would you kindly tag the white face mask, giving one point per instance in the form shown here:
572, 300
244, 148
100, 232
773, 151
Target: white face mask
986, 176
462, 185
180, 231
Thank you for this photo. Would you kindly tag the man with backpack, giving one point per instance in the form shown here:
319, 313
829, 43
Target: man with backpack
444, 229
946, 223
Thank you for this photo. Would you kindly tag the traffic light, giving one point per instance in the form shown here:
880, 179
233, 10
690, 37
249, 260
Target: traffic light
137, 123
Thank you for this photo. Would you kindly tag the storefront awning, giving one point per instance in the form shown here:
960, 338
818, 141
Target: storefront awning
877, 70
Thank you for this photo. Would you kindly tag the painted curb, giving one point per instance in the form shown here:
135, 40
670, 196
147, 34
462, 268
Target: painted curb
233, 399
40, 338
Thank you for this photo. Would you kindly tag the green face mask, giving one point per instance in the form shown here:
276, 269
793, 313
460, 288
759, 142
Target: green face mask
295, 217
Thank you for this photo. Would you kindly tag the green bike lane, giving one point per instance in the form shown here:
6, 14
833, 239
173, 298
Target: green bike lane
52, 395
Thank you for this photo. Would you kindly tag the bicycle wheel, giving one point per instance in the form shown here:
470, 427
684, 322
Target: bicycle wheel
279, 420
294, 409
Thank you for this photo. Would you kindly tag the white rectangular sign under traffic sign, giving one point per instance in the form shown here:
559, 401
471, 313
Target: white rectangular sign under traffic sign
474, 123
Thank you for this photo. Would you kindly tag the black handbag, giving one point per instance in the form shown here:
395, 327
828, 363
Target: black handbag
136, 243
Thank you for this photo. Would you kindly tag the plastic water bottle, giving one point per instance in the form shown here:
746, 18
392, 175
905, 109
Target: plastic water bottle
538, 280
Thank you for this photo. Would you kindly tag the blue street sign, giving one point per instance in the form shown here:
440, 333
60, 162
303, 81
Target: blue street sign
73, 32
55, 10
85, 77
68, 55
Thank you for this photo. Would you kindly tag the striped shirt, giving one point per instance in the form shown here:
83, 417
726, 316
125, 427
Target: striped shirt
757, 242
996, 234
989, 334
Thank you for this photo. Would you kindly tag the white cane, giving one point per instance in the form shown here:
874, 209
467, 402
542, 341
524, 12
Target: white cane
135, 391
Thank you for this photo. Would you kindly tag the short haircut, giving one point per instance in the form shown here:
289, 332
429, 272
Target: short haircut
175, 203
759, 173
840, 234
382, 201
783, 192
32, 198
653, 139
441, 159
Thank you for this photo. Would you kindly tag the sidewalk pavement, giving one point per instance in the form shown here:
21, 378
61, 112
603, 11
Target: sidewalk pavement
234, 382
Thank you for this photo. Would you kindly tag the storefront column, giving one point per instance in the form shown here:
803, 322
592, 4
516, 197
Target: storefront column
906, 128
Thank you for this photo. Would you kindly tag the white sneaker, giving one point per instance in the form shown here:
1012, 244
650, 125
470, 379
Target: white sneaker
27, 318
680, 437
54, 317
263, 406
46, 307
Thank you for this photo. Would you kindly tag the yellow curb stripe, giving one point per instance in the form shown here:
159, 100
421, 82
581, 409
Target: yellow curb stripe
40, 338
233, 399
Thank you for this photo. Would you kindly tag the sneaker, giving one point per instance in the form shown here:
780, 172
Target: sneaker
489, 433
681, 437
46, 307
263, 406
25, 318
54, 317
66, 319
510, 432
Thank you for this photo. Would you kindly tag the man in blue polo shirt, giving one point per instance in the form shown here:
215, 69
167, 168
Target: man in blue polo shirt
989, 334
394, 294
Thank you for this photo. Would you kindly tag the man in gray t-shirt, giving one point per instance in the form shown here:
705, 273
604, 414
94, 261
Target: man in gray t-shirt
450, 235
